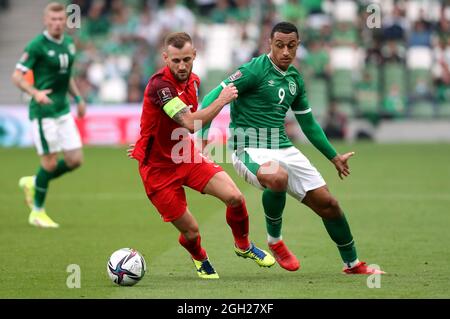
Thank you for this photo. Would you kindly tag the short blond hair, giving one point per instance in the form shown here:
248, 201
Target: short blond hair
54, 7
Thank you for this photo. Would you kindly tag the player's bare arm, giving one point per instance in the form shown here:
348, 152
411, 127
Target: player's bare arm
186, 118
39, 95
75, 92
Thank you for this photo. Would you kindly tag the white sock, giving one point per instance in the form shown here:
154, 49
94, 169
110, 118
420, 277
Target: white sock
352, 264
273, 240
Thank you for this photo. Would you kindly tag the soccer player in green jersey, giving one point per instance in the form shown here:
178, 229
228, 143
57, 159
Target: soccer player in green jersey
264, 156
50, 56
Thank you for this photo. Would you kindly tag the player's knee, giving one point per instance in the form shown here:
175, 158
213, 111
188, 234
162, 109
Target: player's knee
191, 234
74, 162
235, 198
49, 165
331, 208
278, 182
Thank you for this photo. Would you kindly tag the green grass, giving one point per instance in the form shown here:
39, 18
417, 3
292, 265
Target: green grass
397, 201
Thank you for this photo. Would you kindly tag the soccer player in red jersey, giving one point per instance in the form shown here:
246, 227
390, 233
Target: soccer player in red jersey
168, 159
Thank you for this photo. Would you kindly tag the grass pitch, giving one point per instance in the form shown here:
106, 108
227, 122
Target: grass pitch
397, 201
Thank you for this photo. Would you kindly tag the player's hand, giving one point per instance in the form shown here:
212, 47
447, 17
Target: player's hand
228, 94
340, 162
42, 98
81, 107
130, 151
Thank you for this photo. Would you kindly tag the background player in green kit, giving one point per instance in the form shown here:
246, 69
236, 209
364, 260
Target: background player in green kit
264, 156
50, 56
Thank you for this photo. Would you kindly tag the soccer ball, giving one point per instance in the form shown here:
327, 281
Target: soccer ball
126, 267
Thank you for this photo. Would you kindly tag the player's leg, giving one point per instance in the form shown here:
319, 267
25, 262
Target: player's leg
275, 180
56, 135
36, 187
221, 186
327, 207
190, 239
170, 201
209, 178
73, 159
258, 168
70, 144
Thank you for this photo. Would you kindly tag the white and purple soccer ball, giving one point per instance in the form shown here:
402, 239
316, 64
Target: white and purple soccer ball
126, 267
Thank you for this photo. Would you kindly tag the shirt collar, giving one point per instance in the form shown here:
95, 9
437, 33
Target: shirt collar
275, 66
50, 38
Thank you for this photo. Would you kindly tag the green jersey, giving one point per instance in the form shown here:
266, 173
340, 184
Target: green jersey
51, 61
266, 93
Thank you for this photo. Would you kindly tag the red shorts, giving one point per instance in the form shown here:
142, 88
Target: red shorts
164, 185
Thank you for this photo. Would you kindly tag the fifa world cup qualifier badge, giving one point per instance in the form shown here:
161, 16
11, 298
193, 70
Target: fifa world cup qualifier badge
164, 95
24, 57
236, 75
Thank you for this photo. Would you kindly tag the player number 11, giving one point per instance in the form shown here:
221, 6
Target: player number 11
64, 61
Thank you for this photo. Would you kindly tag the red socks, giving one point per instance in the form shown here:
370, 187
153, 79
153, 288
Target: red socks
237, 219
194, 247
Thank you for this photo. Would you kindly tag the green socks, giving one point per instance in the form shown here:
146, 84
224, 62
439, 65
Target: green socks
339, 231
43, 178
273, 203
61, 168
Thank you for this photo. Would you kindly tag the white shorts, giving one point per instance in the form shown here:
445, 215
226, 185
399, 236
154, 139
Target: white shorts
52, 135
303, 176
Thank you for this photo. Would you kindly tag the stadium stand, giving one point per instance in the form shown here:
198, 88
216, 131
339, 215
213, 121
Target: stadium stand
400, 70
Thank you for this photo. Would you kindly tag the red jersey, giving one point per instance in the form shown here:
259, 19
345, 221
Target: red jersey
156, 143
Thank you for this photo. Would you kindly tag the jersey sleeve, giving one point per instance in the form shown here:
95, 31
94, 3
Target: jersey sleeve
28, 58
301, 104
244, 79
164, 95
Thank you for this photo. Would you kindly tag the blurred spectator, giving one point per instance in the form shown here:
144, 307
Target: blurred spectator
317, 60
242, 12
344, 34
83, 4
313, 6
149, 29
420, 35
120, 44
441, 68
221, 12
96, 24
394, 103
176, 17
87, 90
243, 51
205, 6
395, 26
124, 28
134, 88
393, 52
373, 54
335, 124
294, 12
